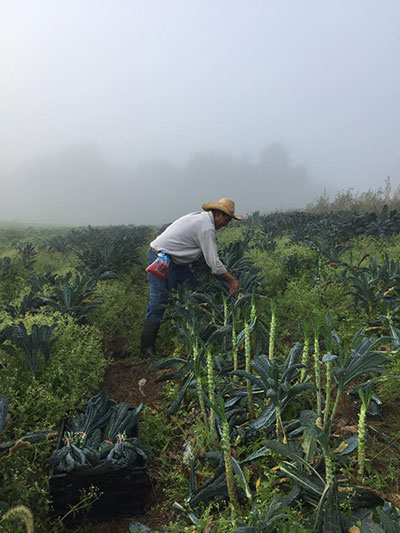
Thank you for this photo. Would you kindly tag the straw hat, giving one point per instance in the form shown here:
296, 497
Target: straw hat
224, 205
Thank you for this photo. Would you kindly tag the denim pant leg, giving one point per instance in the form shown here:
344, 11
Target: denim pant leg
158, 294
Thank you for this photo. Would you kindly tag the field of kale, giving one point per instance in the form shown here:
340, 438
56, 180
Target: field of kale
275, 409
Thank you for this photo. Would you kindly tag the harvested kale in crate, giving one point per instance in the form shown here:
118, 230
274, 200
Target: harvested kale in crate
99, 447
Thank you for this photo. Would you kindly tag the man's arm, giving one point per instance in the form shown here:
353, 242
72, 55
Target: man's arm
208, 245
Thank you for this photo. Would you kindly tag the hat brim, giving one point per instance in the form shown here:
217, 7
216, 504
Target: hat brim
208, 206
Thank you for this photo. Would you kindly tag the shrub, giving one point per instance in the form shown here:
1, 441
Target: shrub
25, 482
74, 370
388, 388
366, 246
271, 269
55, 262
122, 311
305, 299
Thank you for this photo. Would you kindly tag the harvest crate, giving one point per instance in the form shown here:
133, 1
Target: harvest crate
124, 495
123, 492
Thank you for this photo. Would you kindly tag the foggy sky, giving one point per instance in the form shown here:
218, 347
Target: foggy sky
139, 111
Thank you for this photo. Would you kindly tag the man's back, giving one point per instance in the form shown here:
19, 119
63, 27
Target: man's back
183, 238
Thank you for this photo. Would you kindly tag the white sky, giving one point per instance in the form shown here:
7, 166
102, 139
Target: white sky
138, 111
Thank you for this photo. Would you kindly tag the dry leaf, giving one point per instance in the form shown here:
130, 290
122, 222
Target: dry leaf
318, 423
394, 499
342, 446
141, 383
345, 489
350, 429
208, 526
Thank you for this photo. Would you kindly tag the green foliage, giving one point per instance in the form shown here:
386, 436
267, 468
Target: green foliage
55, 262
27, 255
32, 345
106, 251
335, 227
73, 296
277, 516
29, 303
365, 247
74, 369
276, 383
122, 311
13, 235
304, 299
225, 521
21, 513
3, 412
226, 236
11, 278
388, 388
160, 434
25, 482
272, 270
364, 202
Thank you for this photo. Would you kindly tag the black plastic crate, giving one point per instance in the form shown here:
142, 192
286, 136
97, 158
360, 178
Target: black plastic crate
123, 492
123, 495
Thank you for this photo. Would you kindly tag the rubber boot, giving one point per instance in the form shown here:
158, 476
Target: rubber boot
148, 340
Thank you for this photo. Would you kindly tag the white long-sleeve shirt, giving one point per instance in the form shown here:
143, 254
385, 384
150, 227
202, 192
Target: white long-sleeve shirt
189, 237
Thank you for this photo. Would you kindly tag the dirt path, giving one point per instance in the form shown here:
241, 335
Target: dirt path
131, 381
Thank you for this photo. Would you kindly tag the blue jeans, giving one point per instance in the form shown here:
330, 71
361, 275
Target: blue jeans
159, 290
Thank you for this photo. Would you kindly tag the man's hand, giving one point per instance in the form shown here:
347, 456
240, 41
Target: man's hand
233, 286
233, 282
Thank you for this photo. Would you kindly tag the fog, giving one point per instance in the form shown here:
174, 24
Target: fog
139, 111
